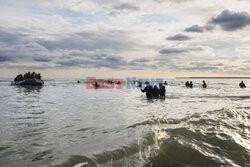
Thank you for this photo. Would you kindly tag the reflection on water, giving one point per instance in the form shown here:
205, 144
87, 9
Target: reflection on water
29, 89
65, 124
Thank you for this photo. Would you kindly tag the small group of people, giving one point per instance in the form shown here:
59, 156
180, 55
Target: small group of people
204, 84
189, 84
154, 91
27, 75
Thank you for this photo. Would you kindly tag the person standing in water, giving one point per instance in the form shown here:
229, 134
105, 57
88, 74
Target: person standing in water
242, 85
191, 84
204, 85
162, 90
149, 90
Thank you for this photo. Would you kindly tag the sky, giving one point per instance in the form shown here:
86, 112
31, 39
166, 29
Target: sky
111, 38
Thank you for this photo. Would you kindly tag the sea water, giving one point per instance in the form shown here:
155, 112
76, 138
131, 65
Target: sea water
64, 124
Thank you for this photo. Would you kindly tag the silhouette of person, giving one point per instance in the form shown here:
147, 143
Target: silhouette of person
242, 85
204, 84
191, 84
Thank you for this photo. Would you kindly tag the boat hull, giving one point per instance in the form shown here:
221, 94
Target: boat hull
31, 82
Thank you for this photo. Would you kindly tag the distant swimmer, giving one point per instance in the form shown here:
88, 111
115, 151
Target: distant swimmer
78, 81
187, 84
165, 83
204, 85
96, 84
191, 84
242, 85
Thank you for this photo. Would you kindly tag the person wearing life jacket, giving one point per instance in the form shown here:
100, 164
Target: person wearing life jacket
204, 85
32, 75
19, 78
39, 76
28, 75
242, 85
25, 76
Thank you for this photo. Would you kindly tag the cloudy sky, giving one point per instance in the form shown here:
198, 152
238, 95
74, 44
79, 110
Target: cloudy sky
109, 38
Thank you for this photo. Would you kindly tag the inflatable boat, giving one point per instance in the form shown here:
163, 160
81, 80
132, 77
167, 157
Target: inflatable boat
31, 82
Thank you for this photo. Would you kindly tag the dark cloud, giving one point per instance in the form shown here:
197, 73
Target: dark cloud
16, 47
199, 68
227, 20
73, 62
11, 38
178, 37
169, 51
5, 58
90, 41
194, 28
126, 6
123, 8
142, 60
107, 61
179, 50
202, 64
28, 67
230, 21
43, 59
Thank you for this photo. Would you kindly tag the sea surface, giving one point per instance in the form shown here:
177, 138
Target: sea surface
63, 124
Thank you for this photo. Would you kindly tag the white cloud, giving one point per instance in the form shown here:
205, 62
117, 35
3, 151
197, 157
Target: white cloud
48, 31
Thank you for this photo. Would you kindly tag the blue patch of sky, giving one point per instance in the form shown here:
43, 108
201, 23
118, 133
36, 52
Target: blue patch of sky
74, 17
78, 18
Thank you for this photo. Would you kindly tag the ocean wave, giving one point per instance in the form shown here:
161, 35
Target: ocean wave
208, 139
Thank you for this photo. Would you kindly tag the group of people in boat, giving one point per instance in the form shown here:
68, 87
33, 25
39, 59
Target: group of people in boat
154, 91
27, 75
